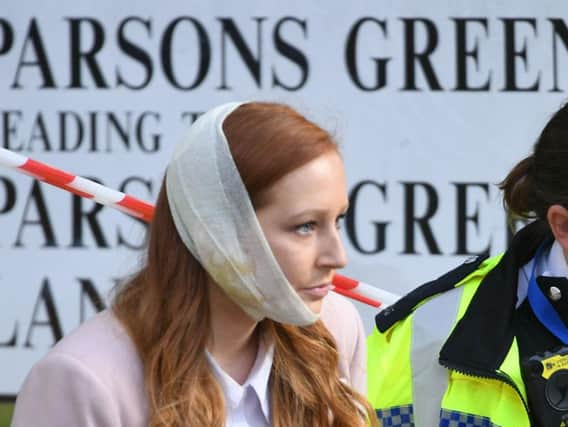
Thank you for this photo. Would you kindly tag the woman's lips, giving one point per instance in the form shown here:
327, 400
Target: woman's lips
319, 291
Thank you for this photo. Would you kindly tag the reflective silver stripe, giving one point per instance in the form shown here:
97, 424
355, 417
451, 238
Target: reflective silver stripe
431, 325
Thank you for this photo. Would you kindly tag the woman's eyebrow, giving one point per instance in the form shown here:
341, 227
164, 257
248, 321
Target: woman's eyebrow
317, 212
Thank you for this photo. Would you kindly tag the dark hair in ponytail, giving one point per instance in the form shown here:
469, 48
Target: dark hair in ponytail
541, 180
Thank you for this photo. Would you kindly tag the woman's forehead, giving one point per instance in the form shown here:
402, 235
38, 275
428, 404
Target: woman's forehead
317, 185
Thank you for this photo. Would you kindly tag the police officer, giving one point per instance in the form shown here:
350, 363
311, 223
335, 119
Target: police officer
483, 344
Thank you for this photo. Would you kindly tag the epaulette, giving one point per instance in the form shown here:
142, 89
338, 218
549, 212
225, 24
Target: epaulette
404, 306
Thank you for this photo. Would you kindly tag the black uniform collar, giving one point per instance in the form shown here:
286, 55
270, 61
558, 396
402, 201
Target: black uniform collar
483, 336
560, 305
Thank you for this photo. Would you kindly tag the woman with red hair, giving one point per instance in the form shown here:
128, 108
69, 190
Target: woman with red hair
221, 326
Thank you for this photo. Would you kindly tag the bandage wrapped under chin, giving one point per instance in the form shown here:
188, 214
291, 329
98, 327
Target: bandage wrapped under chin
215, 219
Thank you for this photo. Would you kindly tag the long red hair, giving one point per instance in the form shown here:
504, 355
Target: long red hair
165, 306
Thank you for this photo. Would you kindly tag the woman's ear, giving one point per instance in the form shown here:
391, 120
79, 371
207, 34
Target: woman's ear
557, 217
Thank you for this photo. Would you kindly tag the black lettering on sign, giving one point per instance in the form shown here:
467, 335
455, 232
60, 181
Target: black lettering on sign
7, 195
412, 57
252, 61
351, 62
70, 120
189, 117
87, 56
42, 220
6, 36
13, 340
9, 129
559, 30
134, 51
291, 52
514, 55
463, 54
203, 53
39, 60
350, 219
463, 218
80, 215
89, 292
412, 220
45, 300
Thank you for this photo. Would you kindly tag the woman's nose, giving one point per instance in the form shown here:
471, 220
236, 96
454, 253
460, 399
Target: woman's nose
332, 253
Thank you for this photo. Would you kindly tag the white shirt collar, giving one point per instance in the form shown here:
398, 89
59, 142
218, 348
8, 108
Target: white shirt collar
556, 265
257, 379
552, 264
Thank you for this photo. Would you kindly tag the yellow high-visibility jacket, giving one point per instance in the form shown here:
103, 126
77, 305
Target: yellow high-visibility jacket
446, 354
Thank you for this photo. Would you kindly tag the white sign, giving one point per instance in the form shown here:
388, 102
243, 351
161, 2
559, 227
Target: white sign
432, 103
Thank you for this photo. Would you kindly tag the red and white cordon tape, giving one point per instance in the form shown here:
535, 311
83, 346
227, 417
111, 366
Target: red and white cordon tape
77, 185
83, 187
363, 292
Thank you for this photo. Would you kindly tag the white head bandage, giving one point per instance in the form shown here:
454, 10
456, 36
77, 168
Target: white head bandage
215, 219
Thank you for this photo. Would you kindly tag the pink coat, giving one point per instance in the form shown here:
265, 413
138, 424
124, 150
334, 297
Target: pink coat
93, 376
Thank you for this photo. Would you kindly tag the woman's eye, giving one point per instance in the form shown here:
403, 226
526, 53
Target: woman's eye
305, 228
339, 221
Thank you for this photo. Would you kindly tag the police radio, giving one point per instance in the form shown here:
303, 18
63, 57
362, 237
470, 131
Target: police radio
546, 379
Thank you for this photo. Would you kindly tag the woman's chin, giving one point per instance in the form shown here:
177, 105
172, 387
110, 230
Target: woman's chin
314, 305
